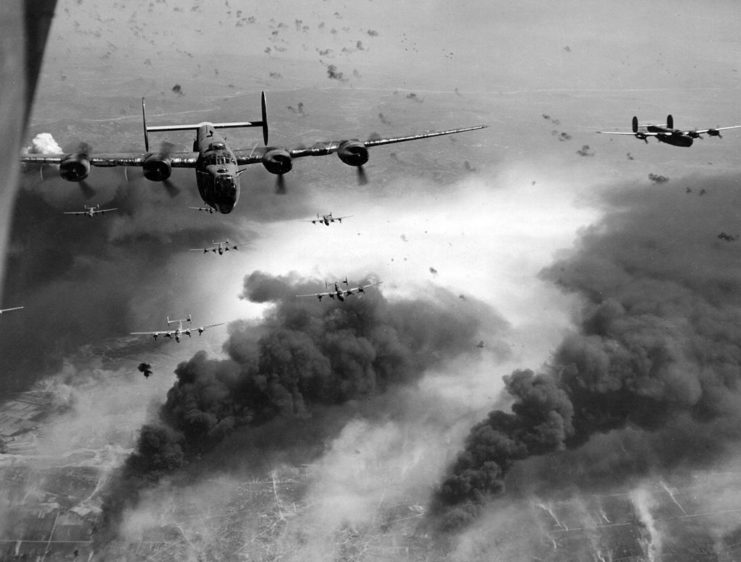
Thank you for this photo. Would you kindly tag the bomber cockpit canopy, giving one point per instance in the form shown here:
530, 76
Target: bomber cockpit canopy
217, 146
219, 159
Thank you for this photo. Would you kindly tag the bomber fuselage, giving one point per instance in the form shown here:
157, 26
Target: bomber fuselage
217, 173
671, 136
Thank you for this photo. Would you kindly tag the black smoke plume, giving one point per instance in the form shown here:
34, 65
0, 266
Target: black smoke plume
145, 369
78, 277
656, 354
334, 74
657, 178
305, 359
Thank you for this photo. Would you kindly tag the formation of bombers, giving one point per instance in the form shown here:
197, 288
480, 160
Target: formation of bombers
218, 167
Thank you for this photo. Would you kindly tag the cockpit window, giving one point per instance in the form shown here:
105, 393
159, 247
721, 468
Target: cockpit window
219, 159
225, 181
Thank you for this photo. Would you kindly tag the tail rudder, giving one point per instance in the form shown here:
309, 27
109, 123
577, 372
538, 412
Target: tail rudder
635, 124
176, 320
669, 122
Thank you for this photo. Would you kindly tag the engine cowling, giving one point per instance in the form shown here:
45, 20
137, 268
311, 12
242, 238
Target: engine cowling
157, 167
74, 167
277, 161
352, 153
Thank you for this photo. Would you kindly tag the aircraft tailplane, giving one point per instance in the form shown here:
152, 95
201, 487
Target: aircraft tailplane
194, 126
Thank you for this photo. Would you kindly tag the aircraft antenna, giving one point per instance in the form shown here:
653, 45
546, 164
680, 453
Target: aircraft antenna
144, 121
264, 108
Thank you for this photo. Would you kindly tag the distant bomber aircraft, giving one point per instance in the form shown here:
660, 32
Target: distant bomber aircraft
208, 210
178, 332
326, 219
91, 211
668, 134
3, 310
339, 293
217, 166
217, 247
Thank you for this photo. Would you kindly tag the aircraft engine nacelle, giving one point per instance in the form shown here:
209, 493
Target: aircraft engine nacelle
277, 161
74, 167
156, 167
352, 153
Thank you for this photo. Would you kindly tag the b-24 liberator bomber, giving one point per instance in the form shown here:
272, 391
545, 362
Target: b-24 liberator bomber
666, 133
209, 210
179, 331
217, 165
91, 211
326, 219
217, 247
338, 292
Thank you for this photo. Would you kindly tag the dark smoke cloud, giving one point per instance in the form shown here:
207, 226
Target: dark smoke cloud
297, 372
657, 178
334, 74
79, 278
656, 354
145, 369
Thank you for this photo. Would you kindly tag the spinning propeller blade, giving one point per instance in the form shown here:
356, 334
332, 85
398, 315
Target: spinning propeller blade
362, 177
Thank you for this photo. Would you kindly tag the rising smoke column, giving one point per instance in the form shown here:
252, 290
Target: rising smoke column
657, 347
284, 374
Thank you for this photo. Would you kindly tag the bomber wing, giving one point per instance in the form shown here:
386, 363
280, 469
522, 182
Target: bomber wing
642, 133
110, 160
10, 309
360, 288
713, 130
325, 294
323, 148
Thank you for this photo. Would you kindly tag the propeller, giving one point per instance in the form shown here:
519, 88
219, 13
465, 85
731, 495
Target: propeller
88, 192
166, 149
280, 184
172, 189
362, 176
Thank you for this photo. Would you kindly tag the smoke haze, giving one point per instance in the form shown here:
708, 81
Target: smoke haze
653, 364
